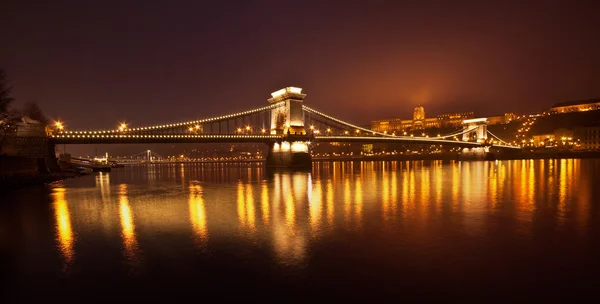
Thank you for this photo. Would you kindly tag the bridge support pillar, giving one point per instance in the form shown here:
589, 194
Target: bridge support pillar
289, 154
479, 153
477, 127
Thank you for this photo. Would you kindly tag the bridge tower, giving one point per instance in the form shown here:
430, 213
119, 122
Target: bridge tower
480, 131
288, 120
289, 117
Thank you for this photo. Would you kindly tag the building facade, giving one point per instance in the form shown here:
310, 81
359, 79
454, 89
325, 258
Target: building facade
420, 121
589, 137
576, 106
454, 119
501, 119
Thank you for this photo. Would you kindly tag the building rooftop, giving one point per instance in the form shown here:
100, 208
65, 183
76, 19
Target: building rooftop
576, 102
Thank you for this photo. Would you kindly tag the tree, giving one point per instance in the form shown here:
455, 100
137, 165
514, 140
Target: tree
5, 98
33, 111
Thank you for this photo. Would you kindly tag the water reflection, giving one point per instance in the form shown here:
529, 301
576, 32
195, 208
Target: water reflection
64, 231
292, 211
315, 206
290, 240
245, 206
127, 226
197, 212
264, 202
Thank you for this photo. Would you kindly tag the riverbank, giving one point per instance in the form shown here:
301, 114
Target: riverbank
18, 172
19, 181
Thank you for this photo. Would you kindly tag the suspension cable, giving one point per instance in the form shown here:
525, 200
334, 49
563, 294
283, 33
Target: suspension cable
186, 123
498, 138
310, 110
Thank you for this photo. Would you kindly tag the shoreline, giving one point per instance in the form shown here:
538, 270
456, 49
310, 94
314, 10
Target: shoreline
20, 181
23, 180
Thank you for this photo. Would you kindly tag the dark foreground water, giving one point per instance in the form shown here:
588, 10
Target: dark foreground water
381, 230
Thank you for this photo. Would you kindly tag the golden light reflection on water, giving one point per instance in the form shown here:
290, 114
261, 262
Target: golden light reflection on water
245, 206
385, 195
455, 183
358, 201
197, 212
298, 208
127, 225
562, 188
501, 180
394, 191
438, 179
315, 206
493, 185
264, 202
64, 231
531, 183
289, 241
425, 196
250, 208
103, 182
288, 198
330, 206
347, 199
405, 193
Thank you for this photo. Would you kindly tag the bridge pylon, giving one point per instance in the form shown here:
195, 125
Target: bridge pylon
478, 127
292, 150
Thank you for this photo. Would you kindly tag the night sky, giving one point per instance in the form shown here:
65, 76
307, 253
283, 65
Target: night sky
94, 63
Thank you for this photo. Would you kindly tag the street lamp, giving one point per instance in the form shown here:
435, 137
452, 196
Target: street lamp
122, 126
59, 125
263, 131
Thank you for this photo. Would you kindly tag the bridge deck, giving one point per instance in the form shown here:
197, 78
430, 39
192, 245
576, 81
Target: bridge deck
160, 138
214, 138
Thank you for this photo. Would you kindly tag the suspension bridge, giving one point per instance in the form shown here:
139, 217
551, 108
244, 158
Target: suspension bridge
285, 124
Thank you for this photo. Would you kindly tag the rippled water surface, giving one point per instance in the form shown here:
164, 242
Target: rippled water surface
345, 229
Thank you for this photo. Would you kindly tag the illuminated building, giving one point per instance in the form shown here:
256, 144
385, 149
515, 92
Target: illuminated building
560, 137
589, 137
418, 117
419, 121
454, 119
501, 119
576, 106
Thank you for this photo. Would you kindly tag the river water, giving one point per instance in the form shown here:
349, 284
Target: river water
344, 229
